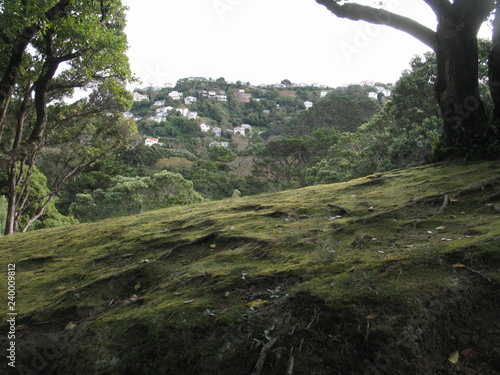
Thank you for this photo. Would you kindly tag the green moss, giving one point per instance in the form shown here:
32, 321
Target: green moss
173, 289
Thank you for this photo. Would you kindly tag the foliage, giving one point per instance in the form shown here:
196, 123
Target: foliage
48, 50
132, 195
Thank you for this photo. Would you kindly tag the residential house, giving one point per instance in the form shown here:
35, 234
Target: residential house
159, 103
128, 115
184, 111
373, 95
239, 130
308, 104
324, 93
217, 131
138, 97
205, 128
151, 141
188, 100
192, 115
222, 97
218, 144
247, 128
242, 96
175, 95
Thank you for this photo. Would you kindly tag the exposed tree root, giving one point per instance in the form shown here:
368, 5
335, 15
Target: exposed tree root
478, 186
263, 355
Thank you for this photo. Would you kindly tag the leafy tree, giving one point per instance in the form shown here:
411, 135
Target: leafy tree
344, 112
48, 49
221, 154
466, 129
283, 160
132, 195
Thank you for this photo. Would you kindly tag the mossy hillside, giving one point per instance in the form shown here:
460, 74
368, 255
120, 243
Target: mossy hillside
287, 278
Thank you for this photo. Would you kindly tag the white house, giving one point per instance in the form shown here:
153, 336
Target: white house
151, 141
184, 111
218, 144
175, 95
188, 100
192, 115
159, 103
308, 104
247, 128
324, 93
139, 97
373, 95
239, 130
221, 97
217, 131
205, 128
128, 115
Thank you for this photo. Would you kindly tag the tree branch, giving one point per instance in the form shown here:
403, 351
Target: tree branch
439, 7
357, 12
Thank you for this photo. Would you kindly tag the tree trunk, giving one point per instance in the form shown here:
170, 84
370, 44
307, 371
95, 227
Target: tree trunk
457, 89
494, 66
10, 225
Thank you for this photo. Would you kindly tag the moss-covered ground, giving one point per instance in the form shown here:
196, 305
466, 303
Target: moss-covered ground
371, 276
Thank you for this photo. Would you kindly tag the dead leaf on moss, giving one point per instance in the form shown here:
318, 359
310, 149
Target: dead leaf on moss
453, 358
372, 316
442, 227
137, 286
189, 301
459, 265
71, 326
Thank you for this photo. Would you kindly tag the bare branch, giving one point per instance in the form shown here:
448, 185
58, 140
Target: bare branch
357, 12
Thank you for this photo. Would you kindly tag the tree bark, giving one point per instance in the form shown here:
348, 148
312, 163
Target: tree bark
457, 88
494, 65
455, 43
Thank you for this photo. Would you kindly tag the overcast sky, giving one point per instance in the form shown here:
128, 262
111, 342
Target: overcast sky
266, 41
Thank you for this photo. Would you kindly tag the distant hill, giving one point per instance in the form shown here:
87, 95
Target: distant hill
394, 273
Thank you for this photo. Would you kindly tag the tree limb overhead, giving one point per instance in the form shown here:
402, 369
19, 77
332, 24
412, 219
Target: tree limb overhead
357, 12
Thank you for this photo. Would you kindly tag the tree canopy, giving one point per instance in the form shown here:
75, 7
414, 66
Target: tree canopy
48, 49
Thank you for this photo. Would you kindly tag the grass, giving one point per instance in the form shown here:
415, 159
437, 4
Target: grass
175, 289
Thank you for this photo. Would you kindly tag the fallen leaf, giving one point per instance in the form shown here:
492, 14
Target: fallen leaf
441, 227
410, 246
257, 304
71, 326
137, 286
453, 358
446, 239
213, 246
459, 265
178, 294
189, 301
381, 252
127, 256
223, 311
372, 316
466, 351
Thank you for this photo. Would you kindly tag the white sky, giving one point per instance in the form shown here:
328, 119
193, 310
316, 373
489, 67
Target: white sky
266, 41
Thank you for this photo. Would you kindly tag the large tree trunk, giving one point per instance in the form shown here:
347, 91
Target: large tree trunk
457, 88
494, 67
